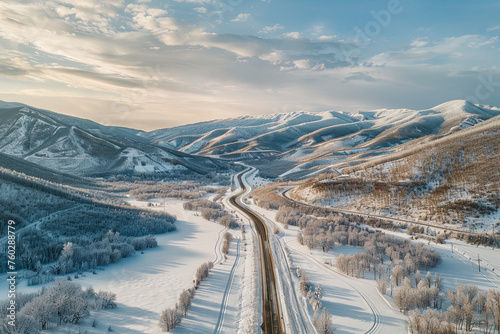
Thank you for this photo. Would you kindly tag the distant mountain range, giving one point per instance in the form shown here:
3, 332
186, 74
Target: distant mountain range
300, 144
295, 144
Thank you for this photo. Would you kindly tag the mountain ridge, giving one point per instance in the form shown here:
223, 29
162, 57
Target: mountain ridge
81, 147
295, 144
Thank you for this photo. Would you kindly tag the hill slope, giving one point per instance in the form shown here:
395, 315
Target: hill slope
80, 147
289, 145
378, 133
452, 179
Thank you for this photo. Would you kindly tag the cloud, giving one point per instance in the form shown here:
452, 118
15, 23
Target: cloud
449, 52
493, 28
325, 38
201, 10
14, 66
302, 64
481, 42
174, 69
361, 76
195, 1
417, 43
292, 35
242, 17
270, 29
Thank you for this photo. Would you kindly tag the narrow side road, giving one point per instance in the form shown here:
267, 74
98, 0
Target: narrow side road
285, 195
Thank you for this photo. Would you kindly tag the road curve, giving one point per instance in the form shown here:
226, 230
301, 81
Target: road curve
271, 315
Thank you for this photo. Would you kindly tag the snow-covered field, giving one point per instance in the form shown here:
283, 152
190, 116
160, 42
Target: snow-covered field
356, 305
459, 263
146, 284
228, 300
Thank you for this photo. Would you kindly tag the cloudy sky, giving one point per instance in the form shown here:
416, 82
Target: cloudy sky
152, 64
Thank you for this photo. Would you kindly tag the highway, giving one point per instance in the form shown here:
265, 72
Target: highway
271, 315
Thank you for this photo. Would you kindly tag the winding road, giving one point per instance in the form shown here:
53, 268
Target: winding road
271, 315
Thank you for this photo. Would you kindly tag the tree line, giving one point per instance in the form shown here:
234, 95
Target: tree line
171, 317
211, 210
321, 319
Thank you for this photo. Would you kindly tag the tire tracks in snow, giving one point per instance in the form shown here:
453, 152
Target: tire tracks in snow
217, 247
223, 308
376, 314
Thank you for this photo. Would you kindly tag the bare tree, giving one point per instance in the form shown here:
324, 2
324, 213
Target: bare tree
185, 301
418, 277
304, 285
300, 238
428, 279
404, 298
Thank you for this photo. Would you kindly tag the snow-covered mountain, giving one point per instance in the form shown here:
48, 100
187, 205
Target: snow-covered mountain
296, 144
300, 143
247, 136
81, 147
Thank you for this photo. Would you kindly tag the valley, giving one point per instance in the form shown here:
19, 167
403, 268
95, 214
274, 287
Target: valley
363, 222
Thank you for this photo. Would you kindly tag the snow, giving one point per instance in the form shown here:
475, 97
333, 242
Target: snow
145, 284
143, 163
248, 302
460, 265
356, 305
228, 300
206, 312
253, 180
349, 300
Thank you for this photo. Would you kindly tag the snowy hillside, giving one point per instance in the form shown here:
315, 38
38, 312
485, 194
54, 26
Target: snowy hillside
291, 145
298, 144
379, 133
80, 147
450, 179
256, 134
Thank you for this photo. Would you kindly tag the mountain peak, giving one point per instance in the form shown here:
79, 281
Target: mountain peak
456, 105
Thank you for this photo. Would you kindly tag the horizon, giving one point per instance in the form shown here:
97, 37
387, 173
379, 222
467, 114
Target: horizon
136, 64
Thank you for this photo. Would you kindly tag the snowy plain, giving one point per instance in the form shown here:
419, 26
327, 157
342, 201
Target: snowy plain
146, 284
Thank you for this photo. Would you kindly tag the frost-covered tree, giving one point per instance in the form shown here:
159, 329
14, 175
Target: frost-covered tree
404, 297
105, 300
382, 285
428, 279
25, 324
323, 323
300, 238
418, 277
304, 284
202, 273
169, 319
185, 301
493, 308
398, 274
